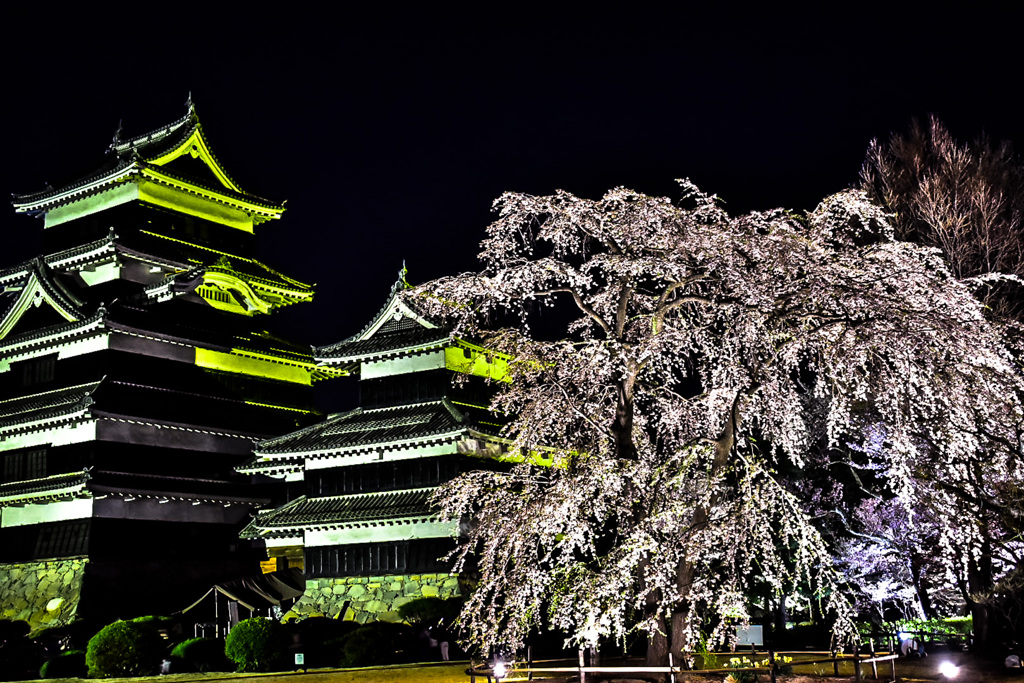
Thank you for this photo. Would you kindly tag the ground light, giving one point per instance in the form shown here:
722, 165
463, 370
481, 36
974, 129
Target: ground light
500, 670
949, 669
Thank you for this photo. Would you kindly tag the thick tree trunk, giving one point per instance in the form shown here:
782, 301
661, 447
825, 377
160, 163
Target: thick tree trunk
923, 595
657, 645
686, 571
622, 428
979, 581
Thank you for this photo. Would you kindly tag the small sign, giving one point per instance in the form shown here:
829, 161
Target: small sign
300, 659
751, 635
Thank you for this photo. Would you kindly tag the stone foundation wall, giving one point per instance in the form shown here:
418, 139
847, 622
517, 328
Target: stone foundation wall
42, 593
375, 598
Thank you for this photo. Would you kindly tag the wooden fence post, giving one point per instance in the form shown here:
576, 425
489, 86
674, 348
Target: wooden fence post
529, 662
835, 663
771, 665
857, 674
583, 676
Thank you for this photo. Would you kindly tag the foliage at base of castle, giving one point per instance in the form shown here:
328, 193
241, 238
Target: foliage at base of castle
258, 644
200, 655
70, 664
126, 648
377, 643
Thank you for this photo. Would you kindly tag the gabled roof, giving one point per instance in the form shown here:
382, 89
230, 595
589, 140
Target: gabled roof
36, 342
156, 156
362, 509
172, 141
349, 354
38, 286
378, 428
399, 327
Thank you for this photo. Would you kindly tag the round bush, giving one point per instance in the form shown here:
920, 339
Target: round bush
70, 664
257, 645
201, 654
124, 648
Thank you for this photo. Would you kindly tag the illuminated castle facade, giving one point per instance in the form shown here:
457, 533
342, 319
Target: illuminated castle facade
135, 374
359, 518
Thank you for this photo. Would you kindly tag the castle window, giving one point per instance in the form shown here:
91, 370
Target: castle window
25, 464
38, 370
397, 557
62, 540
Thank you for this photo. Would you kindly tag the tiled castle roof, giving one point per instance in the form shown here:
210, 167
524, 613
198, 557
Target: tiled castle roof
377, 427
363, 509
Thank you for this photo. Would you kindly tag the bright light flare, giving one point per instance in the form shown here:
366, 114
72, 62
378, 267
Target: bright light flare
949, 669
500, 670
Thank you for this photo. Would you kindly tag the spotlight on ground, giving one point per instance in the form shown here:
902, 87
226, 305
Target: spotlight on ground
949, 669
500, 670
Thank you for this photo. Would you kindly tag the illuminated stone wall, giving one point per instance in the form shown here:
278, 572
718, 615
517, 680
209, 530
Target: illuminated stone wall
41, 593
374, 598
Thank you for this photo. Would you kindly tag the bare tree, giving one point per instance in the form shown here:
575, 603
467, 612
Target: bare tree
965, 199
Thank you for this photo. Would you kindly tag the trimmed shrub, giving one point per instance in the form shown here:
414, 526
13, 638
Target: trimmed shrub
258, 645
125, 648
377, 643
70, 664
321, 639
201, 655
430, 611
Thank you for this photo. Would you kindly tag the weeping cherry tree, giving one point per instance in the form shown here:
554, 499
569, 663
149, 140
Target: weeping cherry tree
699, 352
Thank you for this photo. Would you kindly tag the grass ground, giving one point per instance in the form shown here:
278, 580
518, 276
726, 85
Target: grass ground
973, 670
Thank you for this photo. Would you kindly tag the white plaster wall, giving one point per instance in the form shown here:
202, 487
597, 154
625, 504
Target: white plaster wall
379, 534
432, 360
46, 512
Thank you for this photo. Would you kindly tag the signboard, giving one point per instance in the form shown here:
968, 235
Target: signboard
300, 659
751, 635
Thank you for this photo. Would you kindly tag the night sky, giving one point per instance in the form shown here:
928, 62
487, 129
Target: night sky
390, 132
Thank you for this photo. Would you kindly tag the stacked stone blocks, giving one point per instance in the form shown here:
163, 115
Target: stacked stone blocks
42, 593
375, 598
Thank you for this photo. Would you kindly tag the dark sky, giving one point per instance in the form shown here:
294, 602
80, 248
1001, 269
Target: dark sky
390, 132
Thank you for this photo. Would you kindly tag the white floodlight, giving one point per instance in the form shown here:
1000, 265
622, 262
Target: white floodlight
500, 670
949, 669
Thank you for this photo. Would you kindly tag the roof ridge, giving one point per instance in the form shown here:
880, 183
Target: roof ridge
336, 417
371, 494
119, 146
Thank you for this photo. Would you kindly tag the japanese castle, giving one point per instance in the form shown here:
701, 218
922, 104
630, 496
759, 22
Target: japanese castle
136, 374
359, 519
